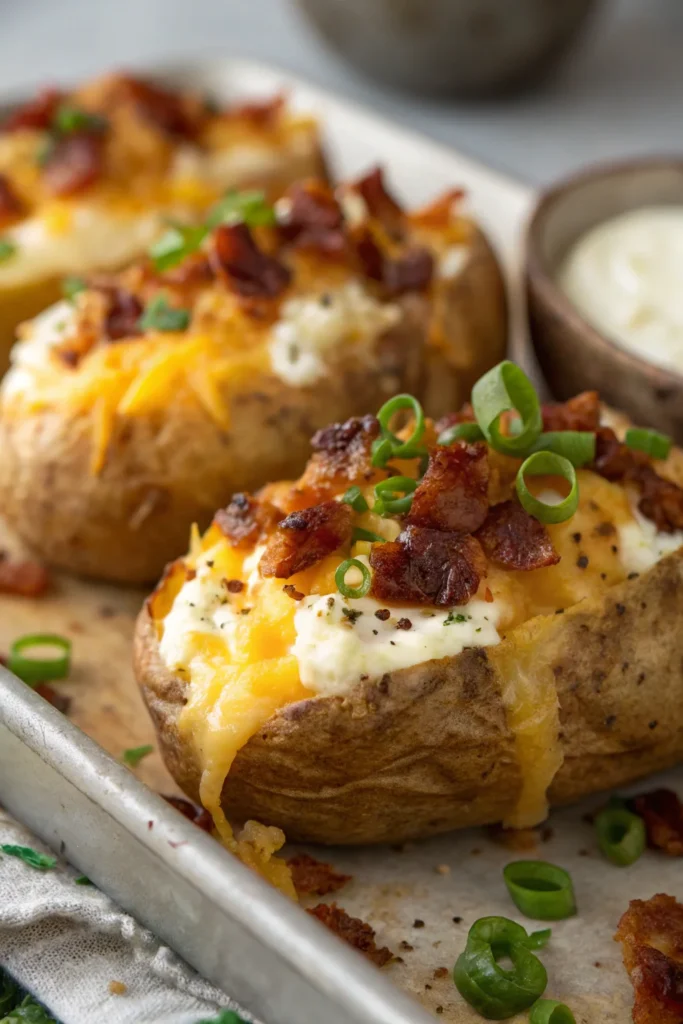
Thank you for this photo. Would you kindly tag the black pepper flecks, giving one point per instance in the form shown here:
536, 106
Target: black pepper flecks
382, 614
615, 549
417, 923
582, 561
633, 576
620, 608
576, 537
352, 614
653, 724
457, 920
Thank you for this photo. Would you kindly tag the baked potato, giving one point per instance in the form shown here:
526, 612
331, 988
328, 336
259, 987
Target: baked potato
145, 402
88, 176
483, 664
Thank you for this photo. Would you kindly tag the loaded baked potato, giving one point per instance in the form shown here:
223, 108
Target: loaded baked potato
139, 405
87, 177
506, 635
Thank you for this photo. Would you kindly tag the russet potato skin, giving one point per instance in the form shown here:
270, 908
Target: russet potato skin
428, 749
167, 470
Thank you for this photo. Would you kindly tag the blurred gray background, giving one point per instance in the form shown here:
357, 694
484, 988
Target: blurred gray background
619, 93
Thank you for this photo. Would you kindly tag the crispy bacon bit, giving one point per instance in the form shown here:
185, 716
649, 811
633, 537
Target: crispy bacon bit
75, 162
662, 812
651, 935
314, 218
342, 454
352, 930
236, 259
512, 538
37, 114
661, 500
58, 700
311, 876
452, 494
246, 519
10, 203
291, 591
22, 577
261, 113
410, 272
122, 314
580, 413
439, 213
197, 815
380, 203
427, 567
613, 460
305, 537
161, 108
369, 254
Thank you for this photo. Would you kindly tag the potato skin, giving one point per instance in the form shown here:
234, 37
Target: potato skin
428, 749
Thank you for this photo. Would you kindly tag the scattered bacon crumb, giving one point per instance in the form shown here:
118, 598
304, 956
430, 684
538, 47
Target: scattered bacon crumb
58, 700
651, 935
166, 110
22, 577
353, 931
236, 258
304, 538
197, 815
661, 500
314, 218
341, 454
74, 163
380, 203
441, 972
662, 812
246, 519
438, 214
427, 567
453, 493
580, 413
513, 838
291, 591
261, 112
514, 539
11, 205
122, 313
37, 114
311, 876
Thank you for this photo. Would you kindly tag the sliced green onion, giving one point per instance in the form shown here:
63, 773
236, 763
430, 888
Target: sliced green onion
494, 991
621, 833
359, 533
224, 1017
548, 1011
382, 451
504, 388
249, 207
548, 464
388, 446
340, 579
39, 670
540, 890
656, 445
537, 940
7, 249
32, 857
160, 316
460, 432
176, 243
69, 119
73, 286
134, 755
394, 496
82, 880
354, 498
578, 446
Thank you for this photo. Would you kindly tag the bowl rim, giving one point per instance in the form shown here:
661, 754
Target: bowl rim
539, 276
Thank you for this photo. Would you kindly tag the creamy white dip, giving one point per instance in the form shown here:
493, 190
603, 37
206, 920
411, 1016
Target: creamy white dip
641, 544
626, 277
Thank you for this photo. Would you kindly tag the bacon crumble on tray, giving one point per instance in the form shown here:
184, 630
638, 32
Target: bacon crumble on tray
22, 577
315, 877
651, 936
662, 812
352, 930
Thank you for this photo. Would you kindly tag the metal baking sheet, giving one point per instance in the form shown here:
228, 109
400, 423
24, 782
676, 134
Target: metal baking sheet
238, 932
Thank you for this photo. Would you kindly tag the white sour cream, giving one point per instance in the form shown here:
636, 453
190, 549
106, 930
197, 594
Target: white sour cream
309, 329
201, 606
641, 544
45, 332
626, 277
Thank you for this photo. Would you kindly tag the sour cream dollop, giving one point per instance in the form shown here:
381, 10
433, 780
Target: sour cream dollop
626, 277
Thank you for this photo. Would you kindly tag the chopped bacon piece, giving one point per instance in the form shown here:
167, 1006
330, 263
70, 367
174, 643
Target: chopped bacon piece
161, 108
314, 218
440, 212
315, 876
357, 933
262, 112
453, 493
122, 314
651, 935
58, 700
195, 269
197, 815
237, 259
36, 114
74, 163
10, 203
662, 812
580, 413
23, 578
342, 453
512, 538
661, 500
427, 567
380, 203
412, 271
304, 538
613, 459
246, 519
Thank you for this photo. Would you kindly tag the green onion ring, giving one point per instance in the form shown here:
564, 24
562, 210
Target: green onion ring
549, 1011
621, 834
578, 446
340, 579
497, 993
548, 464
39, 670
540, 890
387, 445
460, 432
382, 451
656, 445
537, 940
386, 495
359, 533
506, 387
354, 498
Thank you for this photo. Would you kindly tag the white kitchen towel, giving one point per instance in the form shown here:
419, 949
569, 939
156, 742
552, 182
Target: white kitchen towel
66, 943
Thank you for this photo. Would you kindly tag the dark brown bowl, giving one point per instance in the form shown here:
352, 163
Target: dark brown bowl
574, 355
